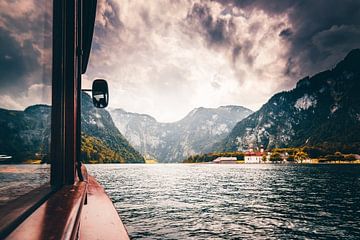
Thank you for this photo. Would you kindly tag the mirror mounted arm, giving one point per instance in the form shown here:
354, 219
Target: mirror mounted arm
100, 93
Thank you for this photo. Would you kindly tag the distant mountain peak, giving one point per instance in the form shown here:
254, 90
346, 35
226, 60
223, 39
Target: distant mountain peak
321, 110
36, 107
123, 111
353, 55
200, 110
24, 134
171, 142
235, 108
350, 62
99, 124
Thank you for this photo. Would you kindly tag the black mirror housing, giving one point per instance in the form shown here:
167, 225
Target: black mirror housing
100, 93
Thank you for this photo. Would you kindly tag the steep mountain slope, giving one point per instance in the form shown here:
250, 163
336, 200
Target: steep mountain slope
93, 150
98, 123
172, 142
323, 110
26, 134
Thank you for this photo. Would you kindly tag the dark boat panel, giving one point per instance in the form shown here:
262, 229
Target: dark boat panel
19, 209
56, 218
73, 206
80, 211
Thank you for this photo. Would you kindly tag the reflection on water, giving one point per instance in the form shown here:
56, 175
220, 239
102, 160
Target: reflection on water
17, 180
200, 201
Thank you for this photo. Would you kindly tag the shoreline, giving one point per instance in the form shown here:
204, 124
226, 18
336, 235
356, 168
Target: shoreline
312, 162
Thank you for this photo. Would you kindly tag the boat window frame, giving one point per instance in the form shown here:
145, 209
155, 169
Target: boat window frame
72, 37
73, 26
64, 94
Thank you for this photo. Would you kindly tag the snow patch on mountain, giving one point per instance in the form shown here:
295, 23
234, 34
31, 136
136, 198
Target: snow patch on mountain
305, 102
334, 108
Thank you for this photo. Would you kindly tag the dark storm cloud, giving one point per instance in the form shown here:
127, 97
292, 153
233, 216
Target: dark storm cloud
286, 33
25, 39
221, 31
236, 52
290, 66
239, 44
25, 52
274, 7
217, 31
226, 52
323, 31
16, 61
337, 36
108, 23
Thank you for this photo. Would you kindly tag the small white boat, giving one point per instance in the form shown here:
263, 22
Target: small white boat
4, 157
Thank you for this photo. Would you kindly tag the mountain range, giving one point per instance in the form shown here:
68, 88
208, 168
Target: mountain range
323, 110
196, 133
98, 124
25, 135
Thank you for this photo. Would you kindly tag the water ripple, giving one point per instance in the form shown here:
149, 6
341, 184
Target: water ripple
179, 201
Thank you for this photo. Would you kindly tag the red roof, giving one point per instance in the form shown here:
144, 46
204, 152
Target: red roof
254, 153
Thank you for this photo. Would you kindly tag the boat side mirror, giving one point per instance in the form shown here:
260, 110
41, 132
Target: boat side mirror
100, 93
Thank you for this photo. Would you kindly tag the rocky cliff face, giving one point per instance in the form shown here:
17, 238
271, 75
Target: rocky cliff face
173, 142
26, 134
321, 110
98, 123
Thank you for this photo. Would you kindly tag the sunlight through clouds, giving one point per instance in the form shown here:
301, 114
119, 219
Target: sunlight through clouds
167, 57
166, 62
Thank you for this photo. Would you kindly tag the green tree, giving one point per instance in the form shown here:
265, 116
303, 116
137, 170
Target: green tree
275, 157
301, 156
338, 156
349, 157
314, 152
291, 158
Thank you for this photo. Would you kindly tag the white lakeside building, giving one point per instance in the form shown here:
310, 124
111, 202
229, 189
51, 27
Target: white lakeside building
256, 157
225, 160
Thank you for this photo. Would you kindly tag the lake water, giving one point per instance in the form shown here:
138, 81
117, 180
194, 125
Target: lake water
204, 201
19, 179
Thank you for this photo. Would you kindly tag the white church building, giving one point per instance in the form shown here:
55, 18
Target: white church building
255, 157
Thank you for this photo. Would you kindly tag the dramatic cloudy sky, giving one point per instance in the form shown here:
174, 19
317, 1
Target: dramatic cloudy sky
165, 57
25, 53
